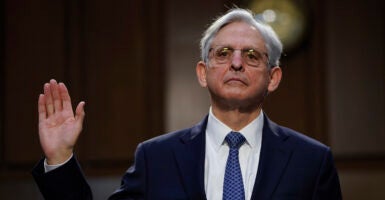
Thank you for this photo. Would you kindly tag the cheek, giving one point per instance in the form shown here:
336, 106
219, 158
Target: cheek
214, 77
260, 79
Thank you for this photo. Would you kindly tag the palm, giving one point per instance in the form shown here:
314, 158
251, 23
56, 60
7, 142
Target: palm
58, 127
58, 130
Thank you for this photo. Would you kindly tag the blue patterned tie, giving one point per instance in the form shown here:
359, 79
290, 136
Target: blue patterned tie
233, 185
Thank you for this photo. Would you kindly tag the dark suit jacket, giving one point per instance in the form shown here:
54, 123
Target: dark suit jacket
171, 166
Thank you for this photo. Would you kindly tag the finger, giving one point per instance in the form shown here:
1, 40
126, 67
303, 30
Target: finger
65, 97
57, 102
41, 108
48, 99
79, 117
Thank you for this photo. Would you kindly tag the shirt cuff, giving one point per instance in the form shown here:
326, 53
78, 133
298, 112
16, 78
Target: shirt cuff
48, 168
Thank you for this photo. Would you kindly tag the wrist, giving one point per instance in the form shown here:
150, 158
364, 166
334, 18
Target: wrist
59, 158
48, 167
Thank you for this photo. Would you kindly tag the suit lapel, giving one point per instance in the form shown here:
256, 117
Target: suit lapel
190, 157
273, 160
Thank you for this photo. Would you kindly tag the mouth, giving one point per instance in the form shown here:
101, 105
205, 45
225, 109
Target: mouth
235, 80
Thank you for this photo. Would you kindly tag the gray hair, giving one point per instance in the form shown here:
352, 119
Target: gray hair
272, 42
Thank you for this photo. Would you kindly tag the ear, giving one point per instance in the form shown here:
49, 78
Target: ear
201, 70
275, 78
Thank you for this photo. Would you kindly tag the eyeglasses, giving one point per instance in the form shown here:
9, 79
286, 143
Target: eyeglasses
224, 55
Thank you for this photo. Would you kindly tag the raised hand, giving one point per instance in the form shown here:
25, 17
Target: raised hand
59, 128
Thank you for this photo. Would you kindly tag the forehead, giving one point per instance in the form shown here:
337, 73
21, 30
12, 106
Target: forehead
239, 35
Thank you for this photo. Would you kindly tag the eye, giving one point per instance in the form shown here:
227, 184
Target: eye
223, 52
251, 54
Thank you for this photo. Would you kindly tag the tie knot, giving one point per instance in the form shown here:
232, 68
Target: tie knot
235, 139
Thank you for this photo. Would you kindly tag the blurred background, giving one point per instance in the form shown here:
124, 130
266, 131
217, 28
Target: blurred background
133, 62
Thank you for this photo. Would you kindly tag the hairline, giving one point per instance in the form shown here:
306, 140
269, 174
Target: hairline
271, 41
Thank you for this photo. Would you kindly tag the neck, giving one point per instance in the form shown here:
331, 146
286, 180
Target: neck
236, 119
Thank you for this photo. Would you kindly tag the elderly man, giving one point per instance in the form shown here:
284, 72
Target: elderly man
235, 152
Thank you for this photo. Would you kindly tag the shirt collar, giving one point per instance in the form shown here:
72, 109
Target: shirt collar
217, 130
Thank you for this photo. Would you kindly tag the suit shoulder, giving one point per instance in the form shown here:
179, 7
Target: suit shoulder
301, 140
167, 138
173, 137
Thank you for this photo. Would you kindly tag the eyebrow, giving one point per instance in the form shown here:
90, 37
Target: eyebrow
230, 46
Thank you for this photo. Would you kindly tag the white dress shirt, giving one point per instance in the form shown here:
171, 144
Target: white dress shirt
217, 152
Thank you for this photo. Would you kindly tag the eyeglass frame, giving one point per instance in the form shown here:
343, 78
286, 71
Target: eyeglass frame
244, 52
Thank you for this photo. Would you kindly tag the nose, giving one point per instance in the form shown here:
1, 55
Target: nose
236, 61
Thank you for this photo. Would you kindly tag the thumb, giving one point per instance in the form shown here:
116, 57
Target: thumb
79, 113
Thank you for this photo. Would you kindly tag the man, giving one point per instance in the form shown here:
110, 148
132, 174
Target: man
235, 152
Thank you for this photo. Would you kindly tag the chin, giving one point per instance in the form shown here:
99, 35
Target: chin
237, 103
